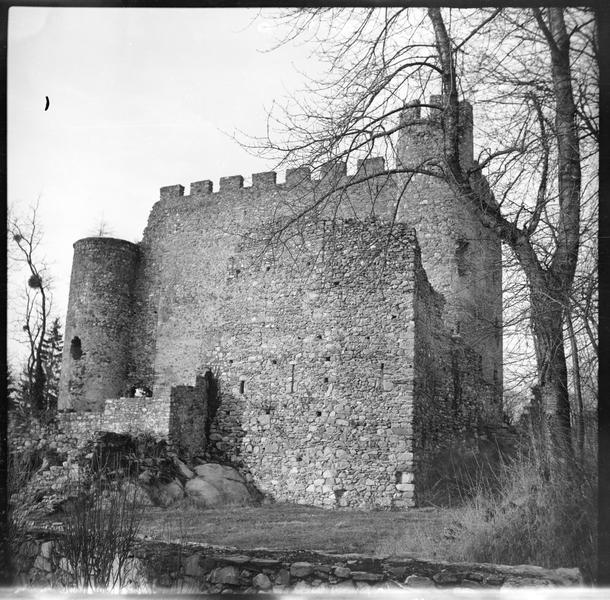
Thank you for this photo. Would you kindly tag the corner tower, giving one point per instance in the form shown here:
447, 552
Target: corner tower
461, 256
95, 357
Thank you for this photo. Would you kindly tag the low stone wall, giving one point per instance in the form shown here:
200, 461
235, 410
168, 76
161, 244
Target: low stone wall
159, 566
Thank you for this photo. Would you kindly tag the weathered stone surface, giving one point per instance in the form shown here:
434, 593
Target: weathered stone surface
183, 469
234, 492
213, 472
46, 549
282, 578
265, 563
262, 582
301, 569
225, 575
227, 480
446, 578
342, 572
236, 559
64, 565
192, 567
512, 581
42, 563
204, 493
364, 576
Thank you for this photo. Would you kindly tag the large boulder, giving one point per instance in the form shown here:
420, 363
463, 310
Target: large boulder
170, 492
214, 472
204, 493
218, 485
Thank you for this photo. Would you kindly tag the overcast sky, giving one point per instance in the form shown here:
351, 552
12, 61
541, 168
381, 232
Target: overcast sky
138, 99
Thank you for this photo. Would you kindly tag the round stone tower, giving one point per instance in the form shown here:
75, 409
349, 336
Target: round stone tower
462, 257
95, 357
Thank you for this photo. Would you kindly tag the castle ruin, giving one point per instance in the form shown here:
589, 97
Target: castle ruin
343, 357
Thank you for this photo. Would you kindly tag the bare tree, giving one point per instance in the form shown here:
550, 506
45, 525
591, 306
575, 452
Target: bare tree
26, 237
101, 228
534, 74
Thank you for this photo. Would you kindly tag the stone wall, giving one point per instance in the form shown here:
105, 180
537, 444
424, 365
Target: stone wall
312, 336
188, 418
172, 568
137, 415
181, 419
316, 380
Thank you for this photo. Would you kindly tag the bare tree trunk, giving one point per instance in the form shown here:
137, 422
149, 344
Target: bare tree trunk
577, 385
547, 325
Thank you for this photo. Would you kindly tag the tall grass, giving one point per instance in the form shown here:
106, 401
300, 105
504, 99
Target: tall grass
542, 512
536, 507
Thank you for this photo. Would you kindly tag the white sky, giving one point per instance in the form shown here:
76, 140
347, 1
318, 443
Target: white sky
139, 99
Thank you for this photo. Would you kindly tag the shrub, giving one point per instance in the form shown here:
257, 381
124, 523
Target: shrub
99, 532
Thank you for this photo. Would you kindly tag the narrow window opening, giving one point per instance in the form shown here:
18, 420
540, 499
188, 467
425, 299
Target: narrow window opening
76, 350
292, 380
228, 413
398, 476
242, 387
326, 380
267, 411
318, 413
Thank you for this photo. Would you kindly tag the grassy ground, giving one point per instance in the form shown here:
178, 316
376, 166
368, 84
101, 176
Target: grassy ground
298, 527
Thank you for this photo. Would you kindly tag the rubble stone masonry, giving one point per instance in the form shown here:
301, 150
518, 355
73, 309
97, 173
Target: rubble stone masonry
345, 349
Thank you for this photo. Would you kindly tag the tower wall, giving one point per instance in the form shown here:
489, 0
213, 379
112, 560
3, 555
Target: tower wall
98, 323
461, 256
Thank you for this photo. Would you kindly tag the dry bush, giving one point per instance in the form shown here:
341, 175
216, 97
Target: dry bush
99, 532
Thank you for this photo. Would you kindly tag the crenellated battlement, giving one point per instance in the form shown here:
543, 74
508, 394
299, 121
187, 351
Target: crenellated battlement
333, 171
420, 137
